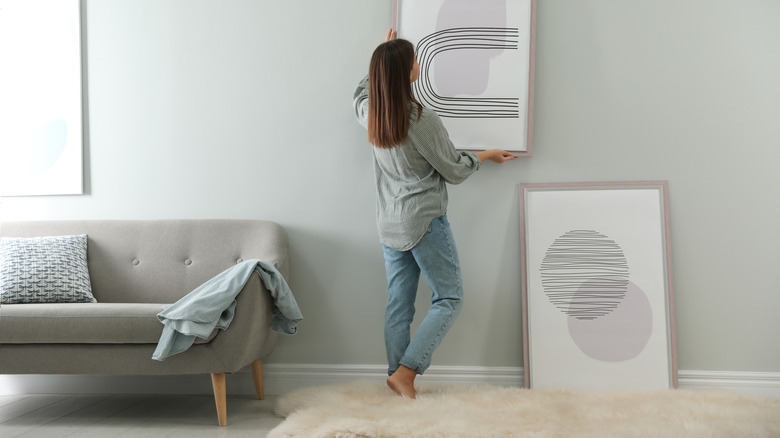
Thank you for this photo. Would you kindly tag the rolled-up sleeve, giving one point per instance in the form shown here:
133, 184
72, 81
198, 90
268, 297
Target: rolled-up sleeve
454, 166
360, 102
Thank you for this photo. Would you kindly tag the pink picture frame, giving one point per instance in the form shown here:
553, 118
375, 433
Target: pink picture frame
597, 292
477, 68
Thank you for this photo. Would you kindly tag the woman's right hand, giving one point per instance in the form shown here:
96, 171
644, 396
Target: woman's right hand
391, 35
495, 155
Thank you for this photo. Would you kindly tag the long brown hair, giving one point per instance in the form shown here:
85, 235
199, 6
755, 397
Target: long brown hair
390, 93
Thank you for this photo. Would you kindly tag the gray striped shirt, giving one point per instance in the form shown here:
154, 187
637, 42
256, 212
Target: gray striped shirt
411, 179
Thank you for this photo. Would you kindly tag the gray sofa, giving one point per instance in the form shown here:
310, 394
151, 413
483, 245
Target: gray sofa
136, 267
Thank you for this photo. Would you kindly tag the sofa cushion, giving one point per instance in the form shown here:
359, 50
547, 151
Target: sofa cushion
82, 323
49, 269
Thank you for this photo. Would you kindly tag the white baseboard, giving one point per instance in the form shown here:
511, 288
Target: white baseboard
282, 378
745, 382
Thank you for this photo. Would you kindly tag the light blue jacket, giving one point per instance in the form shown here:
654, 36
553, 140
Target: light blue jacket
212, 305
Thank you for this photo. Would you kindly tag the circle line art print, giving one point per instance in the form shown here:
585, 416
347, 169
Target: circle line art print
585, 274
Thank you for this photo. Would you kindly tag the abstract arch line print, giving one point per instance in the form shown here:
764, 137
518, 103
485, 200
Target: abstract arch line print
485, 38
476, 67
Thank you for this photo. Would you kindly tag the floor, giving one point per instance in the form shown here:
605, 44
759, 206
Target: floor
39, 415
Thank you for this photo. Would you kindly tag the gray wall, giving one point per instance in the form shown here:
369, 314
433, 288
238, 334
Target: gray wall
242, 109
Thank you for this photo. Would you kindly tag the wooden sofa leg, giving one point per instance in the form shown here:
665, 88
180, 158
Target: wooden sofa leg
257, 376
220, 396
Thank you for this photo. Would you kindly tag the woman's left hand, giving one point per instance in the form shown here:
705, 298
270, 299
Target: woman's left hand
391, 35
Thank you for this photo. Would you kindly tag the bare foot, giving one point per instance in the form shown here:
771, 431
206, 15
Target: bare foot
402, 382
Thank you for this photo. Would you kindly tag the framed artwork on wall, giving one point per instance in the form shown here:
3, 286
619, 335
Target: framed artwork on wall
476, 67
598, 309
41, 139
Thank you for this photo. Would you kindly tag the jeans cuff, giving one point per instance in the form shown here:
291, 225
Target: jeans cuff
412, 366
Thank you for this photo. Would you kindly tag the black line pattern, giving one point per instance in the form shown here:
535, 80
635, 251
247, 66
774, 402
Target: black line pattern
585, 274
459, 38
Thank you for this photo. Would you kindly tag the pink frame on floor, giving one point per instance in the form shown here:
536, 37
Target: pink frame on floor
662, 186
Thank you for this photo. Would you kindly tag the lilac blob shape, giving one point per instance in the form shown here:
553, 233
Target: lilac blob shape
618, 336
466, 71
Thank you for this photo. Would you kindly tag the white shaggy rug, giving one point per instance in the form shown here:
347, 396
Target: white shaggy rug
370, 409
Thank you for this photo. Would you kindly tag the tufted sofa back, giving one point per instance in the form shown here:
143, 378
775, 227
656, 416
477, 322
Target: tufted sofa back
160, 261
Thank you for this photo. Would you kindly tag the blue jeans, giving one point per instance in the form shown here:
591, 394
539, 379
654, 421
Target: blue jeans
436, 257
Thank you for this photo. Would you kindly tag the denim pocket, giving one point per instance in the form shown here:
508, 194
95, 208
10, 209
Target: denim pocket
436, 222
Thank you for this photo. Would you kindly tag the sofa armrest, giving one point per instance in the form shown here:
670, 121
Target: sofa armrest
249, 337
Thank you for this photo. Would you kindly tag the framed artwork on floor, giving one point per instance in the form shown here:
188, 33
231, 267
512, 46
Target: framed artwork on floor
598, 309
476, 67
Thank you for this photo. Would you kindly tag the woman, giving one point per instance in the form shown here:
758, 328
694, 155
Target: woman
413, 160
